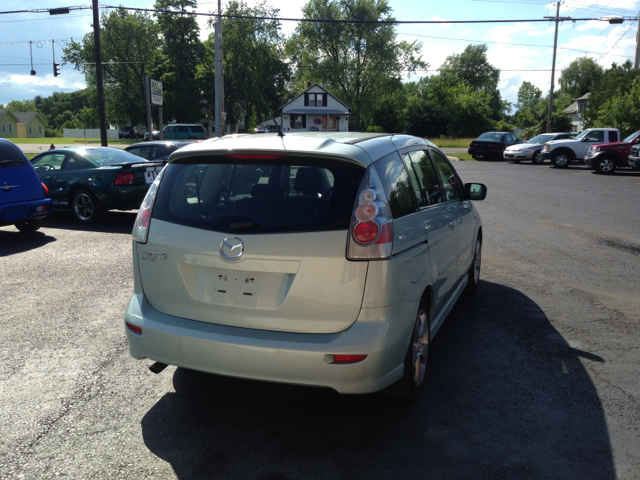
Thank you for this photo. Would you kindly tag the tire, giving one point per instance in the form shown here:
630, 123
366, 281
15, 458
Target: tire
604, 165
561, 159
415, 361
474, 269
29, 226
85, 208
537, 159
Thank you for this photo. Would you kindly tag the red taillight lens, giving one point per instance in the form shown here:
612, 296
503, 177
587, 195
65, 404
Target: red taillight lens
366, 232
124, 179
386, 235
134, 329
348, 358
45, 189
473, 144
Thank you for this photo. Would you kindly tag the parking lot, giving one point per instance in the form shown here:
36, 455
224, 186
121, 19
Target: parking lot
535, 376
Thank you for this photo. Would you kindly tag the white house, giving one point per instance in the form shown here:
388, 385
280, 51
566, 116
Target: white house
315, 110
575, 110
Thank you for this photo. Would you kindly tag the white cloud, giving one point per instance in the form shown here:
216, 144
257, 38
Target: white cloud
503, 33
467, 31
593, 24
435, 55
436, 18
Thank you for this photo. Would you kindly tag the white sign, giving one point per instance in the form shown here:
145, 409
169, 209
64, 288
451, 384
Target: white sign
156, 92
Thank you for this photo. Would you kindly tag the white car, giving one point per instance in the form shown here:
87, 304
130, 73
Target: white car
325, 259
532, 150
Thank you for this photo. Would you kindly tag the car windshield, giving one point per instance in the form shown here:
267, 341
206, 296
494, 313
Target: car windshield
109, 156
631, 137
541, 139
582, 134
491, 137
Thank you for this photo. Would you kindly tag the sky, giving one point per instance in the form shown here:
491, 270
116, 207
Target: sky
522, 50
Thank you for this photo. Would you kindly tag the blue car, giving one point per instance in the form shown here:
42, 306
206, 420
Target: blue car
24, 200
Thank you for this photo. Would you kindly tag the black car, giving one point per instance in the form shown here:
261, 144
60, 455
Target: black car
492, 145
156, 151
128, 132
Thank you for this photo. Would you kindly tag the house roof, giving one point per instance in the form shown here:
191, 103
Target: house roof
4, 111
583, 98
306, 110
573, 108
26, 117
317, 111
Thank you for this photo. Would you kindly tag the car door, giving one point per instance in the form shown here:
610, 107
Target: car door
463, 211
48, 167
169, 133
183, 132
591, 138
75, 169
438, 221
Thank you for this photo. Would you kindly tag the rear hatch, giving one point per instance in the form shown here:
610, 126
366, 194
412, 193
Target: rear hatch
18, 180
488, 147
255, 241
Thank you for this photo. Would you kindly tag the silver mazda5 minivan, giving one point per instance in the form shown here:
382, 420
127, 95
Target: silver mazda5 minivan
323, 259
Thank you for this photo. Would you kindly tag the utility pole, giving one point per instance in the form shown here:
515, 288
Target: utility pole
557, 19
219, 92
635, 63
96, 40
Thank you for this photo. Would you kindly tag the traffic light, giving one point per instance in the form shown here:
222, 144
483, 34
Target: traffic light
56, 69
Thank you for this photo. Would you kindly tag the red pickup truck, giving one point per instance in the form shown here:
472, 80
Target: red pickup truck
607, 157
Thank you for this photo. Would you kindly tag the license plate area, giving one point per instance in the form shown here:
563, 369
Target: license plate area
151, 173
14, 213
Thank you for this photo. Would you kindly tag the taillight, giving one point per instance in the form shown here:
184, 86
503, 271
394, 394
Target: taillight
371, 232
124, 179
141, 226
343, 358
45, 190
473, 144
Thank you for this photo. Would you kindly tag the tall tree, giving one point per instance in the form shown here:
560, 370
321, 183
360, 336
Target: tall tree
22, 106
580, 76
473, 67
130, 51
182, 52
355, 61
254, 74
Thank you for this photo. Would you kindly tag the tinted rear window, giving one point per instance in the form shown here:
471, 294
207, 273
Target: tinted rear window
296, 195
197, 129
11, 156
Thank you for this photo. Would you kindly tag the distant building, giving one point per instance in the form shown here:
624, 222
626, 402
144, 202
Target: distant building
21, 124
575, 110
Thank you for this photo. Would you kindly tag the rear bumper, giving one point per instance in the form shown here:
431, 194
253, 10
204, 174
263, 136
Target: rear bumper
14, 212
303, 359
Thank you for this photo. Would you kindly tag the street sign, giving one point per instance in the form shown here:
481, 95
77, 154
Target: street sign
156, 92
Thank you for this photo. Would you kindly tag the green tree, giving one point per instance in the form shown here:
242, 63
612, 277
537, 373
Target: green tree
130, 51
22, 106
580, 76
182, 52
254, 73
355, 61
473, 67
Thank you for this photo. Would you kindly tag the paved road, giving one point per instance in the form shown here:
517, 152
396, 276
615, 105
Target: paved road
536, 376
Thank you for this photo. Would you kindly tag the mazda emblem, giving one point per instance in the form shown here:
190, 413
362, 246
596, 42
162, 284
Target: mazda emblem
231, 248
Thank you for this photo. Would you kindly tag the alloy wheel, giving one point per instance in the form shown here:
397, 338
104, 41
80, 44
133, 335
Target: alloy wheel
420, 347
83, 206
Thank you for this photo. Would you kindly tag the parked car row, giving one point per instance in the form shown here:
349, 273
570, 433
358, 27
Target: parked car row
181, 131
597, 148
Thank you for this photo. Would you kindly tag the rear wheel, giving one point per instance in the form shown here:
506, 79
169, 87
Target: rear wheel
85, 207
30, 225
415, 362
605, 165
560, 160
474, 270
537, 158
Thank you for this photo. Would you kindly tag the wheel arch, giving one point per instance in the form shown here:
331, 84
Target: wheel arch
74, 188
566, 150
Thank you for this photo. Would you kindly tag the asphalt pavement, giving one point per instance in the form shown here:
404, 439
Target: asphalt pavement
536, 376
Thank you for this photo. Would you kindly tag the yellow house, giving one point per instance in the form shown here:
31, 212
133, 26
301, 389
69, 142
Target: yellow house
8, 124
30, 124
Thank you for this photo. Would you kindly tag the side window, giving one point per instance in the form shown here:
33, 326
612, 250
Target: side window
170, 129
417, 185
183, 129
51, 161
613, 136
450, 182
427, 177
76, 163
402, 199
595, 136
140, 152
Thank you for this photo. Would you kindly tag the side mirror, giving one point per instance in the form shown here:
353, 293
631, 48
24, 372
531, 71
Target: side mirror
475, 191
584, 139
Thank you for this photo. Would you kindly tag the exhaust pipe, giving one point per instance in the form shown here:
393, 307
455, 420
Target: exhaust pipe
158, 367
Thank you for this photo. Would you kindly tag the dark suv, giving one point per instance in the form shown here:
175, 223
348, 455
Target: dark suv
128, 132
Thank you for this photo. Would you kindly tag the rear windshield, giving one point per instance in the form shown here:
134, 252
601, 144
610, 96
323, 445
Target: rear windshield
110, 156
491, 137
11, 156
295, 195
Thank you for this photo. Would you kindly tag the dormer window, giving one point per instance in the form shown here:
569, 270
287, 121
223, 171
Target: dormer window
315, 99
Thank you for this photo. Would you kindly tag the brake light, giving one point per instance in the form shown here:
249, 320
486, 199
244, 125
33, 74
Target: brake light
140, 231
45, 189
134, 328
124, 179
347, 358
474, 144
242, 156
371, 232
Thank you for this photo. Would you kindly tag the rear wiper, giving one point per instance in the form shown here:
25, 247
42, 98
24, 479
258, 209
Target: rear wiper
244, 225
